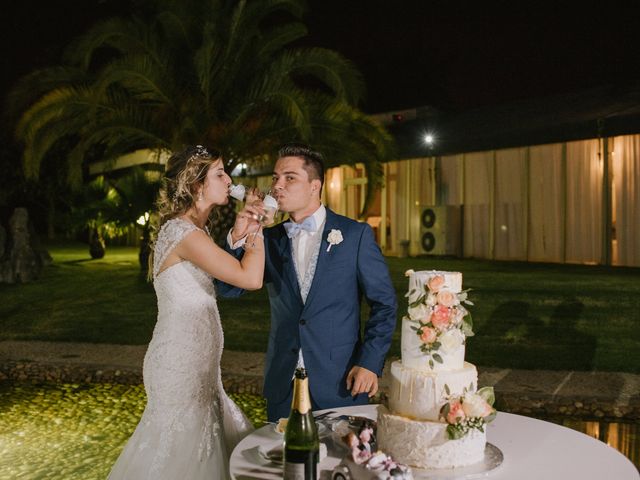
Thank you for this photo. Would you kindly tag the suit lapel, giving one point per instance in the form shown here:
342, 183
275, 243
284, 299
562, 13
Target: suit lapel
323, 256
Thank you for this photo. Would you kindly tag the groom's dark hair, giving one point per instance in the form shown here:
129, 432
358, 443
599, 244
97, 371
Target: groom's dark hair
313, 160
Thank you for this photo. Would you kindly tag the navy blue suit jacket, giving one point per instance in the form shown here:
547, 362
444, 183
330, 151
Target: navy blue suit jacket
327, 326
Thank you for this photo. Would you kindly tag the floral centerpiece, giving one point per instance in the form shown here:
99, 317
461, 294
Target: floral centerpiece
441, 321
468, 411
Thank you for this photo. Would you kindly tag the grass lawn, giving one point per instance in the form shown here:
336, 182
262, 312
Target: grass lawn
526, 315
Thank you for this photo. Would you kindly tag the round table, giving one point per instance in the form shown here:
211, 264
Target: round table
533, 450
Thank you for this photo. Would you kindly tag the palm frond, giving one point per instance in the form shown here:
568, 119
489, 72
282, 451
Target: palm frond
60, 113
279, 37
138, 74
38, 83
333, 70
125, 36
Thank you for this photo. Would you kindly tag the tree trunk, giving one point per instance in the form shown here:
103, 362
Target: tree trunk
145, 250
51, 217
96, 244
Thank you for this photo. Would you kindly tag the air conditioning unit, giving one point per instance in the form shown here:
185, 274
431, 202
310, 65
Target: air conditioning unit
441, 229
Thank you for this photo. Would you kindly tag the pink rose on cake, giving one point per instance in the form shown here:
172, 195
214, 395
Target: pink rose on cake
428, 335
435, 283
456, 412
441, 317
446, 298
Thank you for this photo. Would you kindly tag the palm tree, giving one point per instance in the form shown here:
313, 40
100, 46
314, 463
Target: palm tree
135, 195
91, 212
219, 72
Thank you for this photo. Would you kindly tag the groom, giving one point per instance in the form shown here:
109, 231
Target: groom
319, 265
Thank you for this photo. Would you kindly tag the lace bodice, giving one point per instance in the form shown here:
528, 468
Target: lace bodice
170, 235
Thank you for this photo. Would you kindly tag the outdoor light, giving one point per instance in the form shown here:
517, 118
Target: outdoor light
241, 169
428, 139
142, 221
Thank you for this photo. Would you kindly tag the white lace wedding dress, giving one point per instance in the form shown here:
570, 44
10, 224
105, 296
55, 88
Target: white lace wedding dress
189, 425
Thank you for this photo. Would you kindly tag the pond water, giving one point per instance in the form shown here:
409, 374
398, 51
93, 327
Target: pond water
75, 431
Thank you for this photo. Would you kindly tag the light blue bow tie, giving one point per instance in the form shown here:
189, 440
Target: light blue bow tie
293, 229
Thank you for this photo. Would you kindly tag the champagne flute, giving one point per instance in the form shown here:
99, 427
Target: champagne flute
237, 191
270, 207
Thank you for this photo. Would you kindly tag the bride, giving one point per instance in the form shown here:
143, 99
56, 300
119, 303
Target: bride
189, 425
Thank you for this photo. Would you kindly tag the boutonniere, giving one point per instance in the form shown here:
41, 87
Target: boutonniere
334, 238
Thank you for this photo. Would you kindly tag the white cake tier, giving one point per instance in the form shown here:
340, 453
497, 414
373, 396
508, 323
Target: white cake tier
425, 444
413, 357
418, 280
420, 395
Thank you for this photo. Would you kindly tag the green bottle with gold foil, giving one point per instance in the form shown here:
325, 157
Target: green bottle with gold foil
301, 443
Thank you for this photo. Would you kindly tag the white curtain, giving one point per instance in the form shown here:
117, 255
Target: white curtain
546, 204
532, 203
451, 188
584, 202
510, 204
352, 192
395, 199
478, 190
410, 187
626, 199
332, 190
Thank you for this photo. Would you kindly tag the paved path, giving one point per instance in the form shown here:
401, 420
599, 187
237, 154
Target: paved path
583, 394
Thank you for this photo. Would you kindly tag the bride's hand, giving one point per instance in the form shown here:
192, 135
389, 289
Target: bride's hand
254, 241
247, 220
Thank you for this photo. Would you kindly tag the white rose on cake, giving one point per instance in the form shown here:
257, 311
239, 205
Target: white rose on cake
432, 300
474, 405
419, 312
451, 340
459, 313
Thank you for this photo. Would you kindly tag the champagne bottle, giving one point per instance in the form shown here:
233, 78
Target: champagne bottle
301, 443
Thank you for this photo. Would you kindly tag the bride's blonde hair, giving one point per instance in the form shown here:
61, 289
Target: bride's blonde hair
186, 171
185, 174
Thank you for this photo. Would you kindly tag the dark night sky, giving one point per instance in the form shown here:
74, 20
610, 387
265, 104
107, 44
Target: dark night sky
450, 54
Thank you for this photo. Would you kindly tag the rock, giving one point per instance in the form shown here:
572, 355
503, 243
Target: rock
23, 260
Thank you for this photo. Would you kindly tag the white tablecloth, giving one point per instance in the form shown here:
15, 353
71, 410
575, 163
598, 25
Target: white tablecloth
533, 450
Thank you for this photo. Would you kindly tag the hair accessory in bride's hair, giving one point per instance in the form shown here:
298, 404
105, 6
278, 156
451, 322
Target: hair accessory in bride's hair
199, 151
176, 193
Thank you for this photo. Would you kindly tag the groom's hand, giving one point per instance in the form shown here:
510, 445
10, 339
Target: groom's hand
361, 380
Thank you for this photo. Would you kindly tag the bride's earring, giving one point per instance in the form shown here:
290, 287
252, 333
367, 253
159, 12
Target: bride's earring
200, 196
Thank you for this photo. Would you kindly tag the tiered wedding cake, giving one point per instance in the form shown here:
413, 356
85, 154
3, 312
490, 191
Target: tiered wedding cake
436, 418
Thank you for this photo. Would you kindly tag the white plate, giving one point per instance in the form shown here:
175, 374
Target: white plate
322, 429
274, 455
